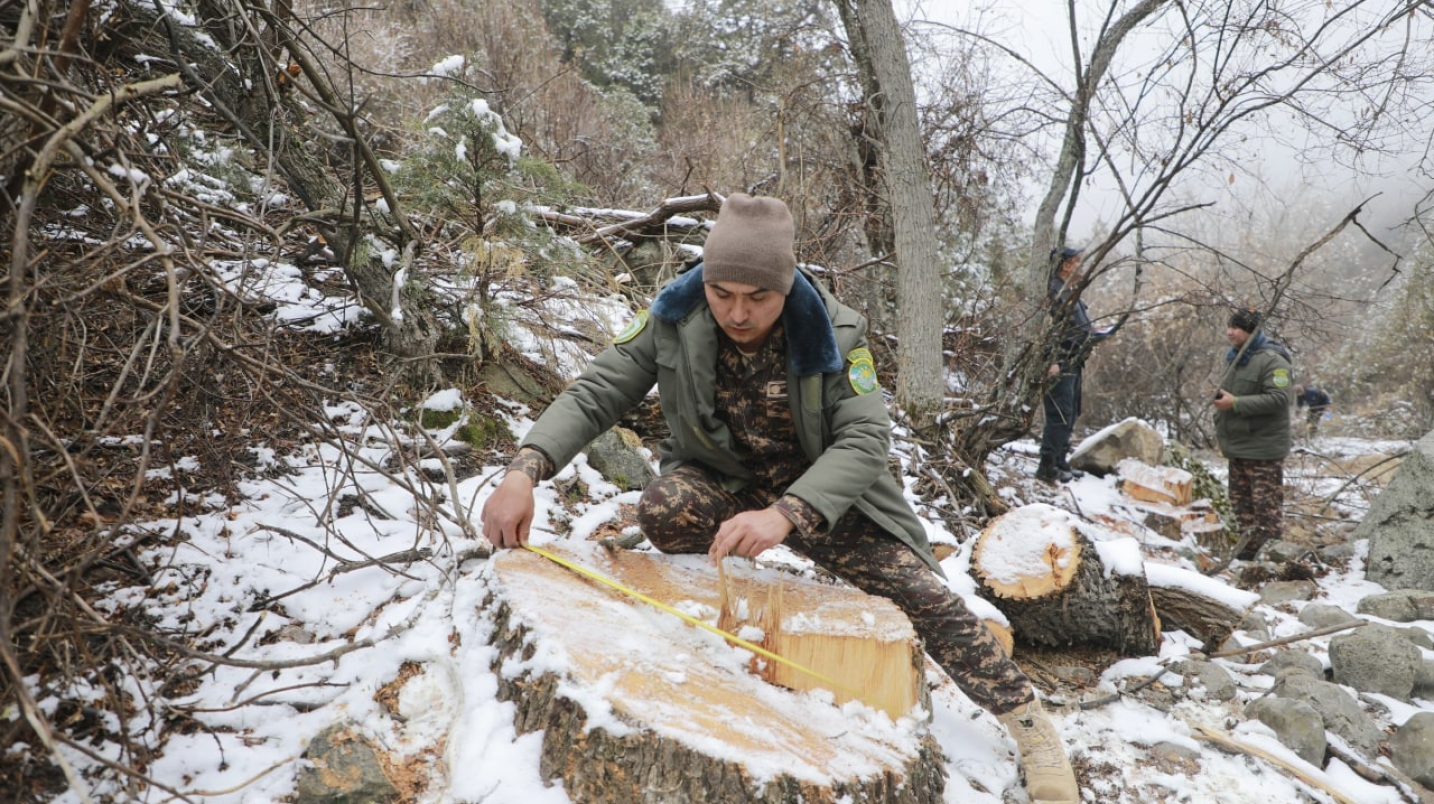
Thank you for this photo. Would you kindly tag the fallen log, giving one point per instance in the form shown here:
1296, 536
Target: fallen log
1198, 605
1059, 588
637, 706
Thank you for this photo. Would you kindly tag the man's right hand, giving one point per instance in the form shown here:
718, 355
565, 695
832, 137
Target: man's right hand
508, 513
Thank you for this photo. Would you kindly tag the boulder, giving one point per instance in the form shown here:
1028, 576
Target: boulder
1323, 615
1401, 541
1338, 709
1292, 659
1412, 748
1375, 658
1212, 681
619, 456
1131, 438
1295, 723
1277, 592
1401, 605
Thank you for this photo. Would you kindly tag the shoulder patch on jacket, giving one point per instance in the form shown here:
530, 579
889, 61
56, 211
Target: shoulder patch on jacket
633, 327
1282, 378
861, 371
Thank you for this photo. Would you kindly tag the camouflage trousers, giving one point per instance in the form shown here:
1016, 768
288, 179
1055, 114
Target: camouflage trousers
681, 511
1257, 496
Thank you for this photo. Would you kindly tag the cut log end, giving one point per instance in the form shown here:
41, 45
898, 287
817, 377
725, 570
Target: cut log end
679, 713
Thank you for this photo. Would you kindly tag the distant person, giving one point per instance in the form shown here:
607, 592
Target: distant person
1252, 424
1318, 404
1076, 335
778, 435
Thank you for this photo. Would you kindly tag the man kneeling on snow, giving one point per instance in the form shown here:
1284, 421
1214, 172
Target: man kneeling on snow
779, 435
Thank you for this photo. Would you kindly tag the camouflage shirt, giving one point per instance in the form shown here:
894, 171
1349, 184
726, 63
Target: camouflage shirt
752, 400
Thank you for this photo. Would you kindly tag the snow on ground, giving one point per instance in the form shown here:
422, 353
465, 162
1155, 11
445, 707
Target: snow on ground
433, 615
282, 542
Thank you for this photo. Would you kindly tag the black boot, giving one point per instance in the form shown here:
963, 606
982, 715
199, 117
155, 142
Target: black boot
1050, 473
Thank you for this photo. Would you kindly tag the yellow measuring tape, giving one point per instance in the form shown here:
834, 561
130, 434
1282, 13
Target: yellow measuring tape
733, 638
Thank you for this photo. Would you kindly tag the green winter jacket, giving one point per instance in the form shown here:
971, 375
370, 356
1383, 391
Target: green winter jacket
844, 433
1258, 427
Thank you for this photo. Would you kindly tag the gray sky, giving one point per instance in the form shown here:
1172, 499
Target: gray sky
1268, 167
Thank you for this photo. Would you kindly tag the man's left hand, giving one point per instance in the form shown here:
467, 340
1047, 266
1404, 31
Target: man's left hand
750, 533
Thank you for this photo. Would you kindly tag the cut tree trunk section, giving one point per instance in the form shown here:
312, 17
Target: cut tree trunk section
1058, 588
1156, 484
1198, 605
637, 706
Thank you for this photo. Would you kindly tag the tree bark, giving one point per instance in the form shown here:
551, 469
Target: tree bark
1049, 580
901, 158
1204, 618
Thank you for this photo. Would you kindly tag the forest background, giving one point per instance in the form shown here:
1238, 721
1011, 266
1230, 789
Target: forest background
453, 166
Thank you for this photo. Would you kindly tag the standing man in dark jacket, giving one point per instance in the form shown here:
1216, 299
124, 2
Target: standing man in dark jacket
1318, 402
779, 435
1252, 424
1076, 336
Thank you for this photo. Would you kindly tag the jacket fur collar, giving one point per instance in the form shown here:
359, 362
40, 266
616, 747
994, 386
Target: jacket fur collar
811, 343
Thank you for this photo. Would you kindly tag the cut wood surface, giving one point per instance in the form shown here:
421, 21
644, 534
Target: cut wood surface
1052, 583
631, 699
1166, 484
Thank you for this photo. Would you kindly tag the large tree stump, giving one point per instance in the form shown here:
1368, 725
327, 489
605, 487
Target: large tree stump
638, 706
1060, 588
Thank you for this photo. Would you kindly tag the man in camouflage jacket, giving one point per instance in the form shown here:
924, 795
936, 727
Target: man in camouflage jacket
779, 435
1252, 425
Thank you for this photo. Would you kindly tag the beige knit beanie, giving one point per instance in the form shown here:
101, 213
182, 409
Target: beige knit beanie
751, 243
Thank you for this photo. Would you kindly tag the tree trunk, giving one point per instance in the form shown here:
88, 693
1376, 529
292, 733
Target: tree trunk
1200, 606
1050, 581
678, 704
907, 188
1013, 402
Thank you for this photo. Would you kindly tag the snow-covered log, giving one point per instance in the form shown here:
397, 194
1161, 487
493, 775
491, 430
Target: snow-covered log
1059, 588
637, 705
1198, 605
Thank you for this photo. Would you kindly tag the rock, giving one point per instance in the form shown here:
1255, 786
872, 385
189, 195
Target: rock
1338, 709
1296, 724
1175, 752
1412, 748
1276, 592
1418, 636
1375, 658
1322, 615
1293, 659
1215, 680
1131, 438
1335, 555
1401, 605
1283, 552
1256, 626
1401, 543
1424, 679
344, 769
618, 455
